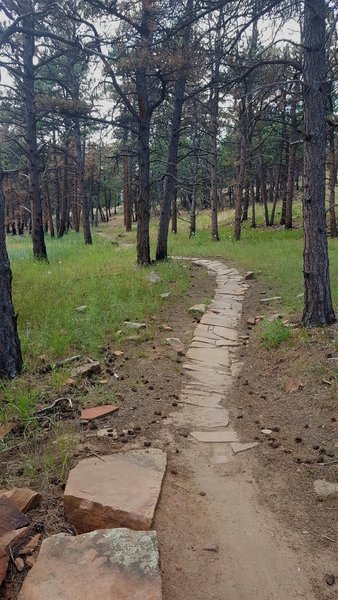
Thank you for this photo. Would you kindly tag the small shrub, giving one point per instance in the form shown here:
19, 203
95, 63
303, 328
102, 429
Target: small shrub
274, 333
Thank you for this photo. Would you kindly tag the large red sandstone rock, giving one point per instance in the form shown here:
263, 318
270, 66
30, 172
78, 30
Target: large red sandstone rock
110, 564
120, 490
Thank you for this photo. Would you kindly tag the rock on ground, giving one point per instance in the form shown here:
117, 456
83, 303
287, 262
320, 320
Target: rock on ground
198, 309
110, 564
120, 490
23, 498
4, 560
11, 517
324, 488
134, 325
87, 370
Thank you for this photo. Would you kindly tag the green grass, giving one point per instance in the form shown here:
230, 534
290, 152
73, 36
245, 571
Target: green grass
101, 276
18, 401
274, 254
274, 333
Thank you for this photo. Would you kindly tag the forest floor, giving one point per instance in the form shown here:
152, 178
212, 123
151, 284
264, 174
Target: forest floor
290, 389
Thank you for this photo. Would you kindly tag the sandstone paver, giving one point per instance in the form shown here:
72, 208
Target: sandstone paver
109, 564
240, 447
210, 356
214, 437
120, 490
201, 416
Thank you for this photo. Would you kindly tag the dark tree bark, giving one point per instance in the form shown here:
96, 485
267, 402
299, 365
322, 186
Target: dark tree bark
243, 151
10, 351
64, 199
253, 204
170, 183
169, 203
143, 201
81, 183
214, 113
265, 196
246, 203
127, 204
279, 171
39, 246
290, 188
332, 165
332, 168
49, 211
318, 308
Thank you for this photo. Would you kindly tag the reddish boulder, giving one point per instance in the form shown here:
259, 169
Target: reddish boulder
120, 490
114, 564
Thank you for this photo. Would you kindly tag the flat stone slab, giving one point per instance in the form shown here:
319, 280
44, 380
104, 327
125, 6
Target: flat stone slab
212, 380
219, 320
110, 564
215, 437
119, 490
210, 356
202, 401
225, 333
239, 447
97, 412
222, 454
201, 416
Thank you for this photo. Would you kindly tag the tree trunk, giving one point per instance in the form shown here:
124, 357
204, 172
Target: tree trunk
169, 202
127, 205
214, 156
49, 212
279, 172
265, 196
143, 201
253, 203
65, 194
39, 246
10, 351
241, 169
170, 184
332, 168
332, 183
318, 308
290, 188
246, 203
81, 183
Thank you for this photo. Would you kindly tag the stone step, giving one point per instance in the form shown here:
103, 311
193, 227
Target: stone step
114, 564
119, 490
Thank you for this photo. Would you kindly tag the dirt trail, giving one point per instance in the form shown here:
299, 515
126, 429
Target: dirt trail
217, 542
255, 558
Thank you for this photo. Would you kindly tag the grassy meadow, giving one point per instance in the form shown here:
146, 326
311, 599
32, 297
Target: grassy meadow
106, 279
274, 254
101, 277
